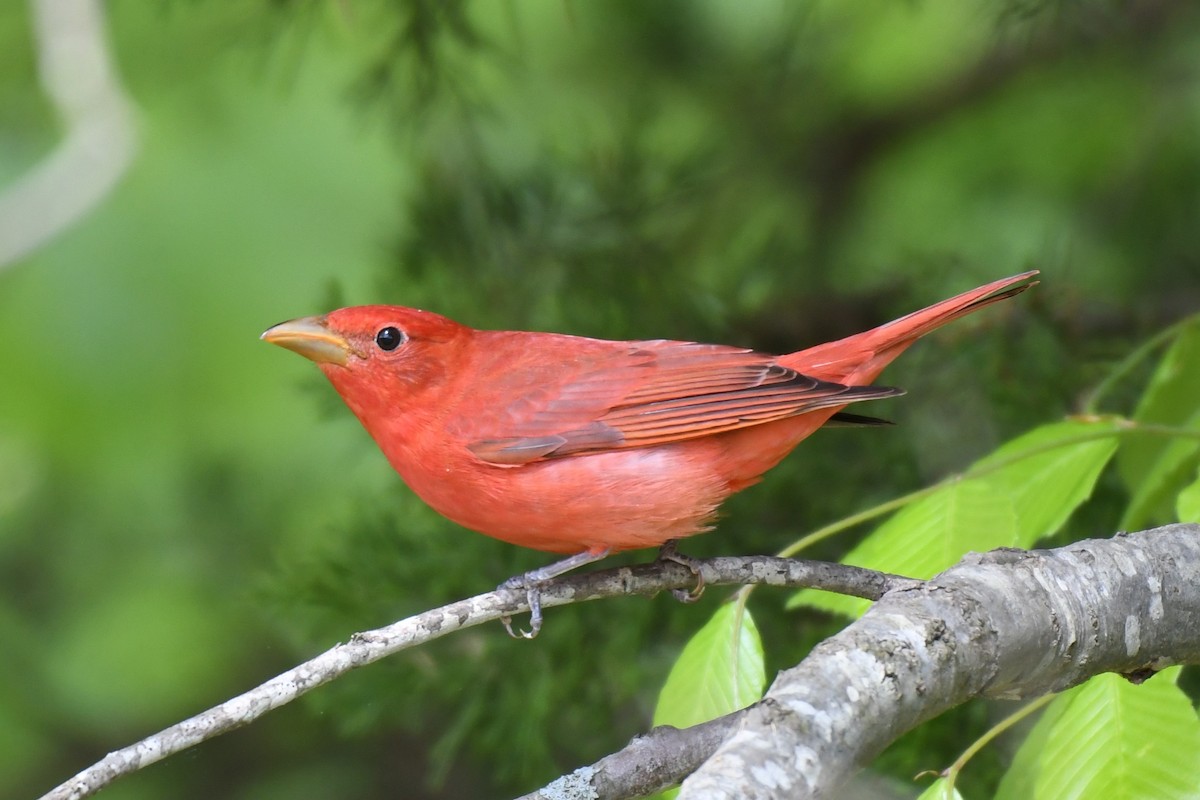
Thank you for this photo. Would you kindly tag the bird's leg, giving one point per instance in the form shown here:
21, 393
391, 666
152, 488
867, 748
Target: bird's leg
533, 581
670, 552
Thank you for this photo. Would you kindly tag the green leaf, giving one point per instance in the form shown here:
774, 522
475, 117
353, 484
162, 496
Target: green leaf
937, 791
1154, 468
1021, 500
1187, 505
719, 671
1176, 462
1109, 739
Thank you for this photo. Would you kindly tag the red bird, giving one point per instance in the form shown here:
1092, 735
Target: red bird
588, 446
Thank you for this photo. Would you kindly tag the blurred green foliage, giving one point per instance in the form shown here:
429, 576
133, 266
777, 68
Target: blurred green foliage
184, 512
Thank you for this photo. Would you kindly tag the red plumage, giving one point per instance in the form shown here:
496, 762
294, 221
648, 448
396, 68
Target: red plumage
568, 444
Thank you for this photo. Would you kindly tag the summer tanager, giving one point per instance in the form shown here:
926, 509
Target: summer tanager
588, 446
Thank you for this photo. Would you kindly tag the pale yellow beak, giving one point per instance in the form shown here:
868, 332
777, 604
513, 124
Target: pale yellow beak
309, 337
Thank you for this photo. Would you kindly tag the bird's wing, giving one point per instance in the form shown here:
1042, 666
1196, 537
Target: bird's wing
647, 393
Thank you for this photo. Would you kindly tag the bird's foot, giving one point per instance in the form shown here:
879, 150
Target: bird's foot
533, 596
670, 552
534, 581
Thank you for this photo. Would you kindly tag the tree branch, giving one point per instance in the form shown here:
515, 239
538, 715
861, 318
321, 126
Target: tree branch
650, 763
367, 647
1004, 624
1129, 605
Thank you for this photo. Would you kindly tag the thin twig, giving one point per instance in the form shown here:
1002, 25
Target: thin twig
369, 646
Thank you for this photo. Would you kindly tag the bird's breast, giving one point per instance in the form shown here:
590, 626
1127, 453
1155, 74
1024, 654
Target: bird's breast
618, 500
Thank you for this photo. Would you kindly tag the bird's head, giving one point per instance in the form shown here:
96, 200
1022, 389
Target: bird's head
377, 357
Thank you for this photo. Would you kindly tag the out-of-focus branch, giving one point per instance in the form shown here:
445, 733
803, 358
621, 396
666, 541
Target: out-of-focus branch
365, 648
78, 75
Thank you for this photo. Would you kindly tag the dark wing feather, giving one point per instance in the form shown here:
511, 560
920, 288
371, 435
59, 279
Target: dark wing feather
844, 420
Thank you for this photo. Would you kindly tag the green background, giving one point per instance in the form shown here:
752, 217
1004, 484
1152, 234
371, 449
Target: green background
185, 511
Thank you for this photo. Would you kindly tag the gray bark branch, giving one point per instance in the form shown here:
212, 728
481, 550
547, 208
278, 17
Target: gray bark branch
649, 764
1004, 624
369, 646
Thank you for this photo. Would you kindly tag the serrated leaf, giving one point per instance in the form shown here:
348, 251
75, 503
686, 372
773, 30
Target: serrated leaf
719, 671
1111, 740
1023, 500
1187, 505
937, 791
1154, 468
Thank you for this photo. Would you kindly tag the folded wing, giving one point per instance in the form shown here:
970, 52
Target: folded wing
649, 393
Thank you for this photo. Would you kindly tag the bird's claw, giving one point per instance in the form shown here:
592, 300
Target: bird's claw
669, 552
534, 581
533, 595
689, 595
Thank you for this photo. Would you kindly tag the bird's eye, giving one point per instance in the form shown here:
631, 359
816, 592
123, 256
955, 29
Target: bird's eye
389, 338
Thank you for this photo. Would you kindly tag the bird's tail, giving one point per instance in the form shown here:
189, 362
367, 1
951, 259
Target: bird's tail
859, 358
